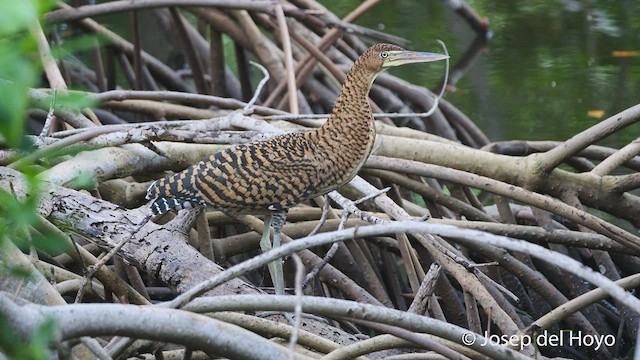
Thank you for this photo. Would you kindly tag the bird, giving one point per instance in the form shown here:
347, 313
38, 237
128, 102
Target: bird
270, 176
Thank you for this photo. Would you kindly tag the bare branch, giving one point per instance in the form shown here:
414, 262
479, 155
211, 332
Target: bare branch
541, 201
167, 325
350, 309
578, 303
552, 158
622, 156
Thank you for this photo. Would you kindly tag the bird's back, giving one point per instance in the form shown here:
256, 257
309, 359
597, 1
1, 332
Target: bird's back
269, 175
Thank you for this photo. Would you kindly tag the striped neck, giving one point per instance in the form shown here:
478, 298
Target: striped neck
352, 108
345, 140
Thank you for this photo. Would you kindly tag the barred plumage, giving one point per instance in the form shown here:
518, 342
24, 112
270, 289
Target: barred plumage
275, 174
270, 175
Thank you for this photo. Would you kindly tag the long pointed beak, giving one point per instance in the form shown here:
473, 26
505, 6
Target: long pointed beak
407, 57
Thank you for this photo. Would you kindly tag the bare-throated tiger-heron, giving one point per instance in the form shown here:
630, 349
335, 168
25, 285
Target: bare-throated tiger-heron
273, 175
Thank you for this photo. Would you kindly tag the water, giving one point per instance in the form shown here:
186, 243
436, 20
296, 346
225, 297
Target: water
551, 69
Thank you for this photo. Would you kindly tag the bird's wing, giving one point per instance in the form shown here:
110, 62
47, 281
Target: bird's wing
274, 174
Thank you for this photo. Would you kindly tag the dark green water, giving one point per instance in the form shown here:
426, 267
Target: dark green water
548, 65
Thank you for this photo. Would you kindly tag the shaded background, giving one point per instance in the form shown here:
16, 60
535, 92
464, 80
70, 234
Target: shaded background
551, 69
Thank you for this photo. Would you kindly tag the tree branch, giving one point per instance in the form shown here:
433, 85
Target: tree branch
166, 325
511, 191
552, 158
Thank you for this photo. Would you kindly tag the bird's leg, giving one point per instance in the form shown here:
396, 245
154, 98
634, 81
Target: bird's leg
265, 240
278, 219
275, 220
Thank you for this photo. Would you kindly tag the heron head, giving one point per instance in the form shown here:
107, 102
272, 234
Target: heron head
380, 57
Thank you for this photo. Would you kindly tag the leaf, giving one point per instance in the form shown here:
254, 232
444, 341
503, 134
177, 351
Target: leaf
16, 16
597, 113
83, 181
73, 100
625, 53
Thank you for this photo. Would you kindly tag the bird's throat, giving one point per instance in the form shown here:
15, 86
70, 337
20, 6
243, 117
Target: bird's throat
349, 134
352, 111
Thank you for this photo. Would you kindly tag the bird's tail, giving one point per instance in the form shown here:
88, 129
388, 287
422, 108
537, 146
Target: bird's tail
160, 206
165, 197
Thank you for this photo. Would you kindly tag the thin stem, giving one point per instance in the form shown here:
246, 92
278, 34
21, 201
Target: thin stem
81, 12
94, 268
46, 128
187, 43
427, 286
261, 85
623, 155
577, 304
292, 90
455, 233
326, 206
297, 309
351, 309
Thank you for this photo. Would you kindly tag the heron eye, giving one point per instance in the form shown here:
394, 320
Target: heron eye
384, 55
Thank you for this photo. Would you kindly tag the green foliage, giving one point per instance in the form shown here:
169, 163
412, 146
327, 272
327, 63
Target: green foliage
548, 64
18, 65
73, 101
19, 214
20, 69
83, 181
35, 347
16, 75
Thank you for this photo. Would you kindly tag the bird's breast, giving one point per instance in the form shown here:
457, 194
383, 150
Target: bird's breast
342, 151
